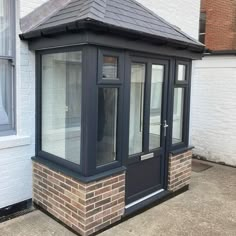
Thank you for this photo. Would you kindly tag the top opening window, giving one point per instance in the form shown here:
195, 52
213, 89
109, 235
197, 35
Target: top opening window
110, 68
181, 73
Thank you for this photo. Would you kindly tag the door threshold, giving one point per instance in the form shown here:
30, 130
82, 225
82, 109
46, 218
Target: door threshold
143, 199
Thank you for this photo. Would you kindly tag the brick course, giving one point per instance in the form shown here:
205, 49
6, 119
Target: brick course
179, 174
86, 208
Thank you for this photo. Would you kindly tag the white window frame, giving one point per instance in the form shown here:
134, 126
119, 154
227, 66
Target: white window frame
10, 129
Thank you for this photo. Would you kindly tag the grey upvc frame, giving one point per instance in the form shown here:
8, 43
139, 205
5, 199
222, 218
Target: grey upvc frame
186, 85
10, 129
90, 85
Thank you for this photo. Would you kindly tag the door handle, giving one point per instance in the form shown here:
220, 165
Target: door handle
165, 126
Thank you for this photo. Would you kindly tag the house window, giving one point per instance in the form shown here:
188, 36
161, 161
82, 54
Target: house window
7, 59
180, 105
61, 105
202, 32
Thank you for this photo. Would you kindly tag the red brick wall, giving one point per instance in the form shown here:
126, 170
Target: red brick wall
220, 24
180, 167
86, 208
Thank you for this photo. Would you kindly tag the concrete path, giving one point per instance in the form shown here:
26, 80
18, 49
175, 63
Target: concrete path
208, 209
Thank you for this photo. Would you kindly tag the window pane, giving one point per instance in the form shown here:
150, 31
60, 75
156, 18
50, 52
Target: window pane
61, 105
156, 106
181, 72
110, 67
5, 28
5, 95
137, 87
107, 125
177, 134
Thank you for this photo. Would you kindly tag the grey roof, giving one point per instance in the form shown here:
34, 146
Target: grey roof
123, 14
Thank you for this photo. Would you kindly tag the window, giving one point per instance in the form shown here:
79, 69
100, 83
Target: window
7, 39
177, 134
61, 105
107, 125
137, 90
110, 67
157, 81
179, 104
202, 32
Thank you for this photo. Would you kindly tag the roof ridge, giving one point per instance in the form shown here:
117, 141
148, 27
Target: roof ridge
164, 21
88, 5
41, 21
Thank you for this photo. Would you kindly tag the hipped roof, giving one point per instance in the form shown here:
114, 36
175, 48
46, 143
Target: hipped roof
124, 15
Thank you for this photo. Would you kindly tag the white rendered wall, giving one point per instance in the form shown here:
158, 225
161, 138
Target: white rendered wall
16, 150
214, 109
181, 13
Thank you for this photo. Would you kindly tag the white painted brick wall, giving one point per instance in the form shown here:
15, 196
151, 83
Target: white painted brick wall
16, 151
214, 108
182, 13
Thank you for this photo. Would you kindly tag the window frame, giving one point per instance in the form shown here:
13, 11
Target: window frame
120, 67
38, 147
108, 83
200, 22
10, 129
186, 85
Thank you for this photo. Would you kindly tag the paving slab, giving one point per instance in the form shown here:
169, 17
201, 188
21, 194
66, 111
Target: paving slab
207, 209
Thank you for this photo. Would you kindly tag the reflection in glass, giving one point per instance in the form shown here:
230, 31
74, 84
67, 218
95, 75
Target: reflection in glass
137, 87
107, 125
181, 72
156, 106
177, 133
110, 67
61, 104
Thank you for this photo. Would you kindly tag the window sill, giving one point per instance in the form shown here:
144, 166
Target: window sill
14, 141
181, 150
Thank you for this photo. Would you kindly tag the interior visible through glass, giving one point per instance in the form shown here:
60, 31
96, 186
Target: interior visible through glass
5, 93
137, 89
61, 104
157, 80
107, 125
181, 72
110, 67
177, 133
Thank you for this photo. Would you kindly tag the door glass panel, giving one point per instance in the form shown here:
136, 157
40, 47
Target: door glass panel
137, 88
107, 125
110, 68
61, 104
156, 106
177, 133
181, 72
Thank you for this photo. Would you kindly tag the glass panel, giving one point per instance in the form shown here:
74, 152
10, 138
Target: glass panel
138, 74
61, 104
5, 94
181, 72
177, 134
110, 67
5, 28
107, 125
156, 106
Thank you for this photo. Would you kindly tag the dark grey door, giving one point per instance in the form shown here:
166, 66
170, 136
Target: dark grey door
147, 127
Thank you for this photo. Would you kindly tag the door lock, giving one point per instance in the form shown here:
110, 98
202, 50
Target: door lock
165, 126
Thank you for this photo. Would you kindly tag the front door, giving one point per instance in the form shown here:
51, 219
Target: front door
147, 127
